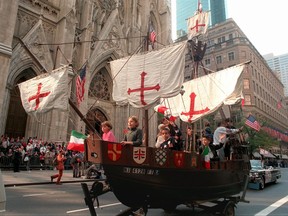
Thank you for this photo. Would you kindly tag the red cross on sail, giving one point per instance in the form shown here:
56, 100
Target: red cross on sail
143, 88
198, 24
45, 92
145, 78
192, 110
206, 94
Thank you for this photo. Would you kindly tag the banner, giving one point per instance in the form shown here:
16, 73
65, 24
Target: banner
45, 92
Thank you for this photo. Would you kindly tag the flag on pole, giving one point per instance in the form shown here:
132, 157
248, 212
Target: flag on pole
198, 24
161, 109
252, 123
80, 84
152, 35
206, 155
45, 92
76, 142
199, 6
279, 104
242, 102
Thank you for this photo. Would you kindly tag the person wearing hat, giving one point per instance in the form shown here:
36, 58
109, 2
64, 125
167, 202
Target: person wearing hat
206, 140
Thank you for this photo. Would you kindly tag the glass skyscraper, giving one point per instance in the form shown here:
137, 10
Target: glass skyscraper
279, 64
187, 8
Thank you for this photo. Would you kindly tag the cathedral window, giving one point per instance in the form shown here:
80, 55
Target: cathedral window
99, 87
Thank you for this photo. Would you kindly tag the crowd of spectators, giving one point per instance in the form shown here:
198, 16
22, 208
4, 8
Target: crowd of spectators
34, 152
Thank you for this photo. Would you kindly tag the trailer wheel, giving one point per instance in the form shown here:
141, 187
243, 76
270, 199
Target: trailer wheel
261, 184
229, 209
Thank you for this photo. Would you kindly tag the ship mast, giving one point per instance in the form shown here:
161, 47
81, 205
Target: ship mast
197, 50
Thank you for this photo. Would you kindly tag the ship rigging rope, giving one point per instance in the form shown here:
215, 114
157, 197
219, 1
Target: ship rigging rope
75, 73
88, 41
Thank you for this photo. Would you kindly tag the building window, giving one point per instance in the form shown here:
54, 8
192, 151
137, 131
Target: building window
246, 84
207, 62
230, 36
255, 99
247, 99
218, 59
99, 87
231, 56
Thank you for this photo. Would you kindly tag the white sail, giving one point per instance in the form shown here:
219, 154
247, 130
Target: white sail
45, 92
198, 24
143, 79
206, 94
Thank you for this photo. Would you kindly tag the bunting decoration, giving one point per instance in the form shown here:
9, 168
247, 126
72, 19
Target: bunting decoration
276, 133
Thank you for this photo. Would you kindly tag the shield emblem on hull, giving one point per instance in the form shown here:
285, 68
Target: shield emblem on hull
139, 154
178, 159
194, 161
114, 151
161, 156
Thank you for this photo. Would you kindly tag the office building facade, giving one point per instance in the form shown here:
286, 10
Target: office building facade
279, 64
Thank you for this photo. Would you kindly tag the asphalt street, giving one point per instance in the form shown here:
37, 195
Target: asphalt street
35, 177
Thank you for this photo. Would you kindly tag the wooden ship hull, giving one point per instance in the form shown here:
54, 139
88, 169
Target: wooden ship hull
146, 176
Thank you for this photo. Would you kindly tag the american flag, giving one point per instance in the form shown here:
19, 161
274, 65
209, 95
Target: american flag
251, 122
80, 84
152, 35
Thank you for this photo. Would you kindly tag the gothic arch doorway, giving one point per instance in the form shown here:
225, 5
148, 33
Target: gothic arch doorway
17, 117
95, 118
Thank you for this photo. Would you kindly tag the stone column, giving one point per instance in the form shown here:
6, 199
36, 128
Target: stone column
7, 25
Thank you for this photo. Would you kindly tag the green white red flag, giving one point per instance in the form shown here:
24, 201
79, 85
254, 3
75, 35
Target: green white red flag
76, 142
206, 155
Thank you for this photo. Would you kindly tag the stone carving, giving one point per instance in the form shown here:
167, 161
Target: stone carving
46, 9
37, 36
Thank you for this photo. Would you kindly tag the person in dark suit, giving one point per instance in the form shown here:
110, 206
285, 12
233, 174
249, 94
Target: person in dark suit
17, 157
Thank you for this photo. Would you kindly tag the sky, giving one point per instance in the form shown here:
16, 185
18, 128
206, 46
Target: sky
264, 22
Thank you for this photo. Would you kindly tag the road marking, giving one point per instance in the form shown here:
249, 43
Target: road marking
42, 194
32, 195
86, 209
272, 207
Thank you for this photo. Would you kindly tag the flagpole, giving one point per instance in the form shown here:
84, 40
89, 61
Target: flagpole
82, 117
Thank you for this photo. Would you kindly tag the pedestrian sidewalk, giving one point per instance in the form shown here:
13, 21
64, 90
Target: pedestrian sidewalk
34, 177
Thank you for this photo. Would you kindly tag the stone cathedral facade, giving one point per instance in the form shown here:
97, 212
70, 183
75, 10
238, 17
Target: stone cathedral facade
38, 36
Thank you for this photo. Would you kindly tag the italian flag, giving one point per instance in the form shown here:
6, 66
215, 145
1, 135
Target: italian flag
206, 155
76, 142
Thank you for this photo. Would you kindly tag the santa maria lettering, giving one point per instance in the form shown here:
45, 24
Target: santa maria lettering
140, 171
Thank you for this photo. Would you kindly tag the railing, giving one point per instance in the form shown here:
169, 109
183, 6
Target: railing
6, 162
